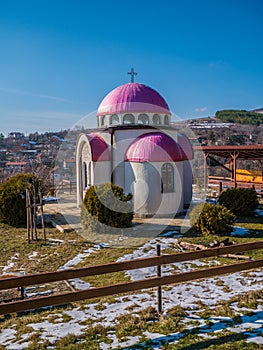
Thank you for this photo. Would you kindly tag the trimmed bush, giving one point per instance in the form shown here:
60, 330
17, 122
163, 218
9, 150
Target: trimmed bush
106, 206
13, 198
210, 219
241, 201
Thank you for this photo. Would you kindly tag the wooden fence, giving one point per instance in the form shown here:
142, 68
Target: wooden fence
67, 297
65, 186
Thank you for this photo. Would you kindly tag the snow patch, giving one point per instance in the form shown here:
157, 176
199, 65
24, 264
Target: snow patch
33, 255
239, 231
10, 263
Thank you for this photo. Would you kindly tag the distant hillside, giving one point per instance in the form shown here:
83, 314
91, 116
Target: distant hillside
240, 116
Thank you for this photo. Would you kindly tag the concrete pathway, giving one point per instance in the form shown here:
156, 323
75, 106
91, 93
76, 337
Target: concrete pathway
66, 217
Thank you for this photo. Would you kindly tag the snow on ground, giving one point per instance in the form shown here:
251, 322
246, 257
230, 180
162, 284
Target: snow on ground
148, 250
259, 212
78, 283
54, 331
10, 263
187, 295
7, 335
81, 256
33, 255
239, 231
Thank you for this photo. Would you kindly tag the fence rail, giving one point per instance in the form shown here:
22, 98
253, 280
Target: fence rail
22, 305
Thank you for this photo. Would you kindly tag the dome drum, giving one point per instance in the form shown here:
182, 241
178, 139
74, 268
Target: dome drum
134, 118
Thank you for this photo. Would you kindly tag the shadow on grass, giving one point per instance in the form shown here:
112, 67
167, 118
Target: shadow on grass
221, 325
39, 311
224, 340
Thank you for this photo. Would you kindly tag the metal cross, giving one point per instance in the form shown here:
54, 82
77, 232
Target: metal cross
132, 73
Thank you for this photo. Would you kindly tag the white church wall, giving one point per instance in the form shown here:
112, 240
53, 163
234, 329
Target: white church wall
146, 189
172, 133
123, 139
129, 178
119, 174
102, 172
105, 136
173, 202
148, 199
188, 175
143, 179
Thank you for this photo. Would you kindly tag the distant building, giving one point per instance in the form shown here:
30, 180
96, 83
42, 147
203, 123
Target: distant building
69, 163
258, 110
16, 135
16, 165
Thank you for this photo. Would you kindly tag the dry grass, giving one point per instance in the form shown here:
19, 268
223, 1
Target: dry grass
51, 256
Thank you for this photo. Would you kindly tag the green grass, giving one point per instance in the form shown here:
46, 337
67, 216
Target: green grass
104, 256
50, 256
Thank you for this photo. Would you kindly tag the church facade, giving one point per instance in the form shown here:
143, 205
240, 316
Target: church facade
135, 147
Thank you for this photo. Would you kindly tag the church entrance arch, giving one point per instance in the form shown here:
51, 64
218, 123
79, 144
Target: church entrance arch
84, 175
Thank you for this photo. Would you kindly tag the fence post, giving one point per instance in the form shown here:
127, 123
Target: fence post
28, 223
159, 274
220, 187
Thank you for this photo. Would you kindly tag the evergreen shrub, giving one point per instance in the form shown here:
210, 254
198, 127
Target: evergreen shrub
13, 198
209, 219
241, 201
106, 206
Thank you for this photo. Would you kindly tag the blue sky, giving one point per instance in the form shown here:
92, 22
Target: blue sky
59, 58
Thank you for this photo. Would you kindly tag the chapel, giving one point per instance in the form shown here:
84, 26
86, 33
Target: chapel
135, 147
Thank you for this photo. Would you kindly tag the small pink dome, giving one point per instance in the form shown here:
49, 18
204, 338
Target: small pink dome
99, 148
154, 147
186, 146
133, 98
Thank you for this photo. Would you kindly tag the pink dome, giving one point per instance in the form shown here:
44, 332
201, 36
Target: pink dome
186, 146
133, 98
99, 148
154, 147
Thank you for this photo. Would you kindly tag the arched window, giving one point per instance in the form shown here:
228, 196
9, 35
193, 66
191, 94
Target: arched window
166, 119
114, 119
143, 119
156, 119
102, 123
128, 119
167, 176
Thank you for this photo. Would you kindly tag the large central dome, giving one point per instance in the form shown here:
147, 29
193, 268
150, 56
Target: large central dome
133, 98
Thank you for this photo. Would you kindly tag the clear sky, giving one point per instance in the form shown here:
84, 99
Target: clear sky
59, 58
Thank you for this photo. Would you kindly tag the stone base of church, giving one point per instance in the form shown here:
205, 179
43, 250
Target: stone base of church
148, 216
